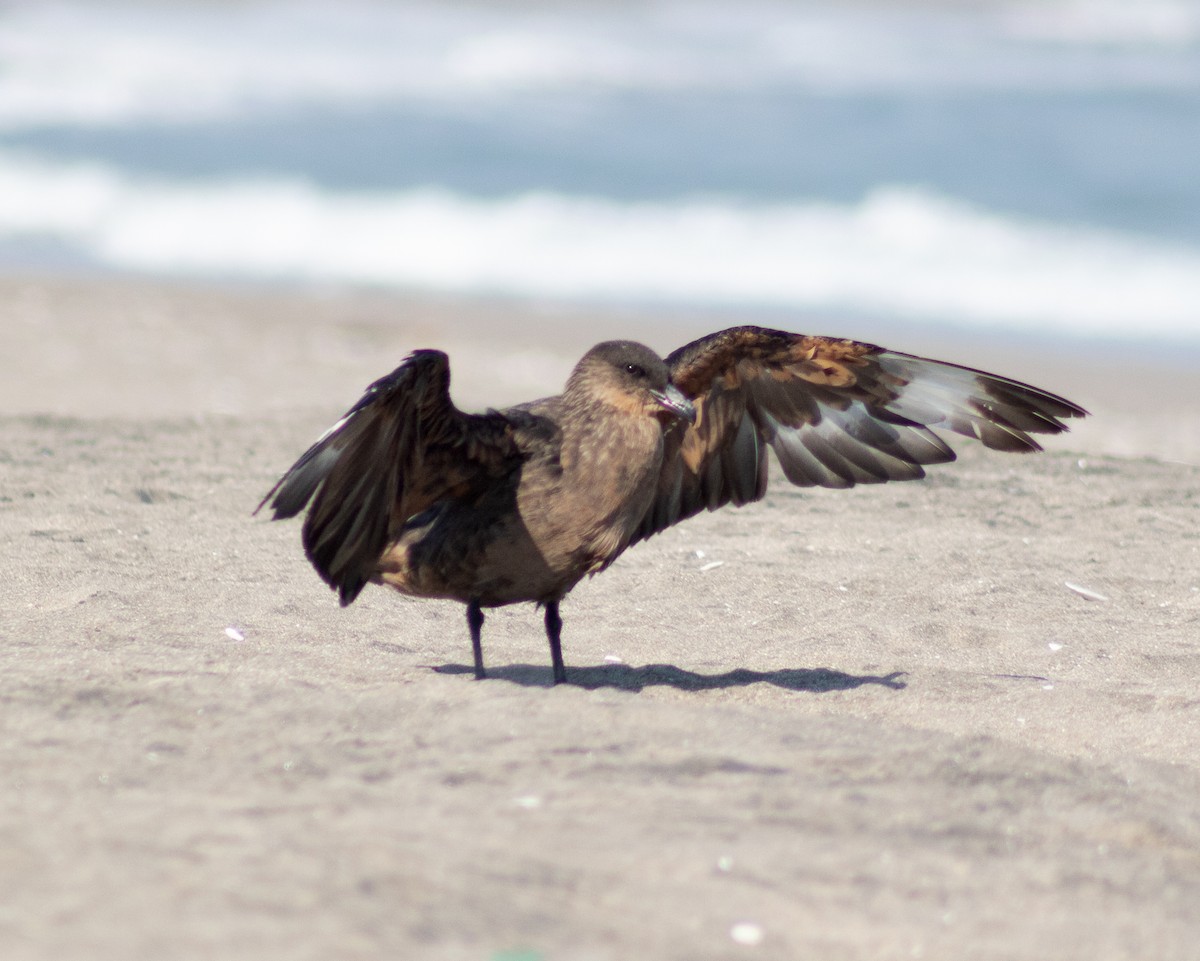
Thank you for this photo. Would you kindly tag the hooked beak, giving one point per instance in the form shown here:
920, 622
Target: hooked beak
673, 401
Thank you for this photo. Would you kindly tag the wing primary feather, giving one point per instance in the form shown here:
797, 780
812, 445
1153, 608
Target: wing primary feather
743, 462
1000, 412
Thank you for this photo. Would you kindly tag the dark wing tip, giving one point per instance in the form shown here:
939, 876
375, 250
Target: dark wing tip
349, 589
296, 487
1000, 412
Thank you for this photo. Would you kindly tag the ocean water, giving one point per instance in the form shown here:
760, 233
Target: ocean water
1025, 166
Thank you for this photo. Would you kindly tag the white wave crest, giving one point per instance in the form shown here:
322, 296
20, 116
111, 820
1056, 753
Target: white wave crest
897, 252
1160, 23
67, 62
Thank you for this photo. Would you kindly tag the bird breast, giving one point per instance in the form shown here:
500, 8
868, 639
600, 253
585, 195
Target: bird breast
609, 473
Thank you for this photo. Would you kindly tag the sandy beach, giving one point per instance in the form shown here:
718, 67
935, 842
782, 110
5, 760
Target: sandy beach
949, 719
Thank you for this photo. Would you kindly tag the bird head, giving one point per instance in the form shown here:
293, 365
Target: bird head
632, 377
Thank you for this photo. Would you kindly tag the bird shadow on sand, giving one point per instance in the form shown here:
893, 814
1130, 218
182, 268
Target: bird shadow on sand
627, 678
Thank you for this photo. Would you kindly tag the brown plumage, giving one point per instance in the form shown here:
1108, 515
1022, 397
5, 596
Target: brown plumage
520, 504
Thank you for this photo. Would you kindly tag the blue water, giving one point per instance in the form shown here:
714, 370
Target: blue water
1126, 161
1023, 165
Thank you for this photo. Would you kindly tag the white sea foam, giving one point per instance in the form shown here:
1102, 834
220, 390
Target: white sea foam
898, 251
1161, 23
66, 62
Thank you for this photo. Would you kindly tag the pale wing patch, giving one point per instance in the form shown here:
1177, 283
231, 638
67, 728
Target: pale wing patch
848, 447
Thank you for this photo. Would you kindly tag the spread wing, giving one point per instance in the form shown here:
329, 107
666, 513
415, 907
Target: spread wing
402, 448
836, 412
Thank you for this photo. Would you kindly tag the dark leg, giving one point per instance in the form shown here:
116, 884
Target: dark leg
475, 623
553, 634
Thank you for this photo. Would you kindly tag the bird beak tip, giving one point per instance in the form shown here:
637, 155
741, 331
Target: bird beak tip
674, 401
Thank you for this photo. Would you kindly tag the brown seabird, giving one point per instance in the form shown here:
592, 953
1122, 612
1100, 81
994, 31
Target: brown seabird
520, 504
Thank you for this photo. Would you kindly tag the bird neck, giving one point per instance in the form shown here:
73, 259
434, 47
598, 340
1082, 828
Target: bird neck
612, 452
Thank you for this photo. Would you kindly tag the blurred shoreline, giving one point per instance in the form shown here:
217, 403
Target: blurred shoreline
98, 346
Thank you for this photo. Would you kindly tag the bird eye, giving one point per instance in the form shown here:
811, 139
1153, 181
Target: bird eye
636, 369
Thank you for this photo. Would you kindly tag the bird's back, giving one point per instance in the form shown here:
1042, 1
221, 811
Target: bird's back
478, 545
570, 506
